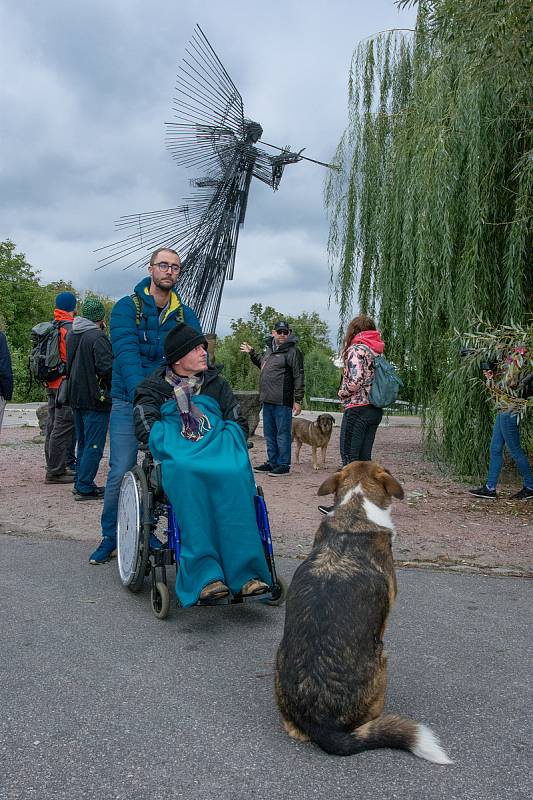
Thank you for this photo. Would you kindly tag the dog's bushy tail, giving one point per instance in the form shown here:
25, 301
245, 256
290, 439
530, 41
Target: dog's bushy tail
388, 730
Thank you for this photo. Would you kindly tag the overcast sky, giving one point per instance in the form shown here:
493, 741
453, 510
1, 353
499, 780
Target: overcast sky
86, 88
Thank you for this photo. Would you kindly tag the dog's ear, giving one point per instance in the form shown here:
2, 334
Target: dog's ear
391, 485
330, 485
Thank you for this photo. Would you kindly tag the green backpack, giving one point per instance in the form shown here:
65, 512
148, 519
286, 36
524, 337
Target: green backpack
386, 384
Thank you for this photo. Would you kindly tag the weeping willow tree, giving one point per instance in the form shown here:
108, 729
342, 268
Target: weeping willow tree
430, 210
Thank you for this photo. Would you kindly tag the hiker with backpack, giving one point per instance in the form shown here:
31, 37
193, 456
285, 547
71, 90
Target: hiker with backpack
48, 364
360, 418
369, 384
89, 370
139, 325
362, 354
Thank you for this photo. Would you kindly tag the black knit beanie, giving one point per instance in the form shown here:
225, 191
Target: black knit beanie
181, 340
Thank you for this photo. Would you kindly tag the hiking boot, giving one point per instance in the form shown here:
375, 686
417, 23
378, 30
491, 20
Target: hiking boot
214, 590
283, 469
484, 493
63, 478
266, 467
70, 471
96, 494
253, 588
325, 509
106, 550
523, 494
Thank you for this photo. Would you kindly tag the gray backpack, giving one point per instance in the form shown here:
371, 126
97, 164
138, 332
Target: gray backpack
45, 362
386, 383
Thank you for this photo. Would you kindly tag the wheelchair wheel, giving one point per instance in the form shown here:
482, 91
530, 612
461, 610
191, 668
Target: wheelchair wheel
279, 593
133, 529
160, 600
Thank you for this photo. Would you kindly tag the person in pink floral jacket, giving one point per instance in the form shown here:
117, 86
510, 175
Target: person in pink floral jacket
361, 419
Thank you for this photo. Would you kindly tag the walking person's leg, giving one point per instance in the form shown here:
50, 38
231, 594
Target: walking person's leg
488, 490
496, 454
270, 434
342, 441
373, 417
95, 430
354, 434
80, 436
283, 418
71, 449
60, 438
49, 423
511, 434
123, 446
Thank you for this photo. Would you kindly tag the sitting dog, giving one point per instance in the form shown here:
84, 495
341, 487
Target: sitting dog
331, 672
317, 434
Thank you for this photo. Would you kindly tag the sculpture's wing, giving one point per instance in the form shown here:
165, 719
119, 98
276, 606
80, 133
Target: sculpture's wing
209, 108
207, 137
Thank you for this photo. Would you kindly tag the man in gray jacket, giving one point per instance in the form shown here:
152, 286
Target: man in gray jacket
281, 391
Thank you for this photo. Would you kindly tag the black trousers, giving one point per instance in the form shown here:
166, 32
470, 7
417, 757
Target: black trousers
60, 439
358, 431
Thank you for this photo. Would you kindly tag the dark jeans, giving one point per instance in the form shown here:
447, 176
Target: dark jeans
91, 432
60, 440
123, 447
358, 431
506, 432
277, 430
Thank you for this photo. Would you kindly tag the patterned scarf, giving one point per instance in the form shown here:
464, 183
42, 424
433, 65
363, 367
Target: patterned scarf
194, 423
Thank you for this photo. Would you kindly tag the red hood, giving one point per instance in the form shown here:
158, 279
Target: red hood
371, 339
62, 316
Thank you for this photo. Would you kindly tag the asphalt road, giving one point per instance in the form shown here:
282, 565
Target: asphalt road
101, 700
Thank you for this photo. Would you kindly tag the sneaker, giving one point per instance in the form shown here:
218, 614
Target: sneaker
214, 590
106, 550
266, 467
484, 493
523, 494
253, 588
96, 494
283, 469
325, 509
65, 477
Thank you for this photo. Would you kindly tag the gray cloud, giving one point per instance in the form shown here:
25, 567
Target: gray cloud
86, 89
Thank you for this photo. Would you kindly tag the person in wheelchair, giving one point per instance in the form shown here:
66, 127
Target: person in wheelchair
190, 419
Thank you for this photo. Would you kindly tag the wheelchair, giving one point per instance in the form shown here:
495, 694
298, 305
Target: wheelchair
142, 503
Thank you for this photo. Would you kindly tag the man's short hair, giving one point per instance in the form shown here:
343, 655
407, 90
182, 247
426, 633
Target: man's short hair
160, 250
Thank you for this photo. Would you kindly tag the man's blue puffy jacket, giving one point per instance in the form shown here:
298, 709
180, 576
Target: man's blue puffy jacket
138, 349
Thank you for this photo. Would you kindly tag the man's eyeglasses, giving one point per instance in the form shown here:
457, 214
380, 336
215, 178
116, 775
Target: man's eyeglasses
284, 332
164, 267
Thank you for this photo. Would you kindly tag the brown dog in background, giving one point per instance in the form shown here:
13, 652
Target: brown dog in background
317, 434
331, 673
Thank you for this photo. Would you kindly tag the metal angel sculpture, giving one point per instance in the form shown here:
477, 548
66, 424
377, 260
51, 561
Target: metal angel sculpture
214, 136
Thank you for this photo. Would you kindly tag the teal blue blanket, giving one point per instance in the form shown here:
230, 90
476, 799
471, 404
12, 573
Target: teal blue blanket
211, 487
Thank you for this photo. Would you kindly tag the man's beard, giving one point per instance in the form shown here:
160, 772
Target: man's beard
164, 287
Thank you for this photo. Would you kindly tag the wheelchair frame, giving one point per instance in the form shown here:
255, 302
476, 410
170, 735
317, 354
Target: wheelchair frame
142, 503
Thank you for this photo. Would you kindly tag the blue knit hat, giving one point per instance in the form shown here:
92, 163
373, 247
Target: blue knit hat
66, 301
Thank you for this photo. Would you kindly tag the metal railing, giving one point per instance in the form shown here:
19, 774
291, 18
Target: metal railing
400, 408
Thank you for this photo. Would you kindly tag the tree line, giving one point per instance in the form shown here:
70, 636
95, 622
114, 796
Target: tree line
26, 301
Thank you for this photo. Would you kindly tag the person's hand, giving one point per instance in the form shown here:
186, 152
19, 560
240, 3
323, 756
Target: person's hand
296, 409
246, 348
